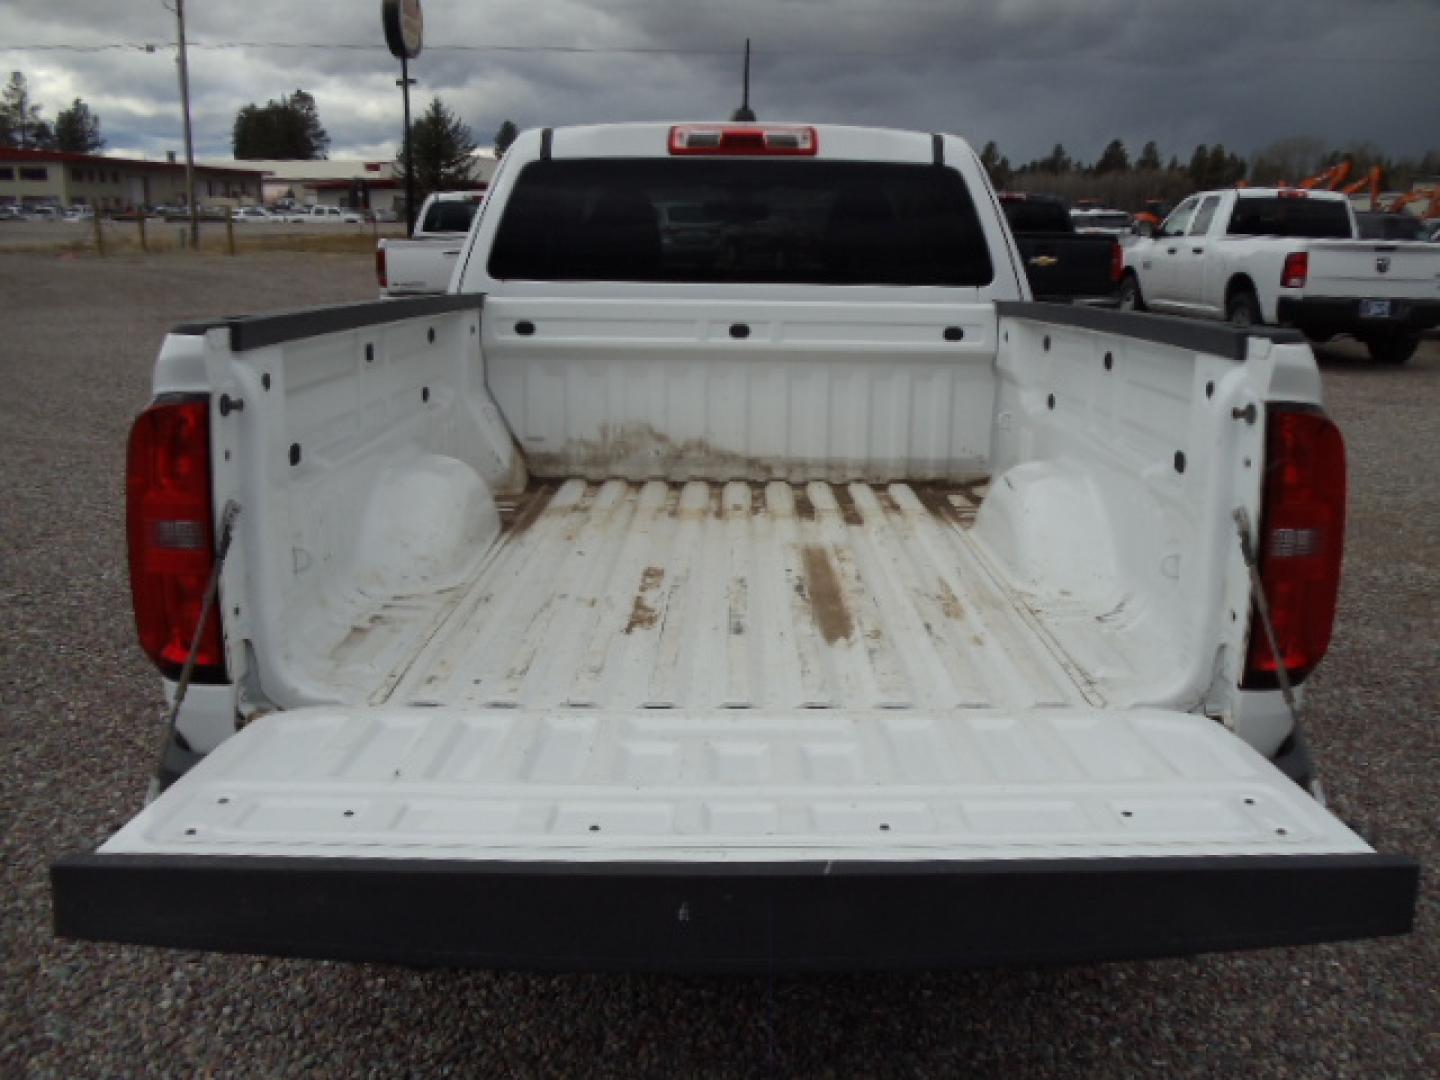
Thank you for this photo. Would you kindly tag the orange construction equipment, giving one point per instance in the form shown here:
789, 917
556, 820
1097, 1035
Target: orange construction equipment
1374, 180
1154, 213
1332, 177
1419, 194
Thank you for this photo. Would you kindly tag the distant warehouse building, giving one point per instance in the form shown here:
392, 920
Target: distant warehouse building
357, 182
58, 178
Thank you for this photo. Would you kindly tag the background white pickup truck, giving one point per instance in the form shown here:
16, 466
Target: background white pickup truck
424, 264
1286, 257
809, 601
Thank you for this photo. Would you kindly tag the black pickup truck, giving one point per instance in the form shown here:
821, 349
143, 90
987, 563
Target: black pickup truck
1061, 264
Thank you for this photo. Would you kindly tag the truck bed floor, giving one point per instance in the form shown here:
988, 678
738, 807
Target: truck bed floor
772, 597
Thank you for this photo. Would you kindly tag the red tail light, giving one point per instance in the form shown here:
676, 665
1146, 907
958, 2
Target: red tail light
380, 267
1117, 263
746, 141
172, 543
1296, 270
1302, 537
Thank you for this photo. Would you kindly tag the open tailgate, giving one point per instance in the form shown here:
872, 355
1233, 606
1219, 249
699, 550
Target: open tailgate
732, 842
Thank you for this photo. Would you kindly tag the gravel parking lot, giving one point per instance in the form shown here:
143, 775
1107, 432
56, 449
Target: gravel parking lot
78, 725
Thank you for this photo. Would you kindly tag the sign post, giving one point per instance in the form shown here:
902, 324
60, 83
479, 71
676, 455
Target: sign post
404, 32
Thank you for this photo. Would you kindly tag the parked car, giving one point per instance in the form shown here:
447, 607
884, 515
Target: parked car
43, 213
618, 612
326, 215
386, 217
1096, 220
253, 214
1286, 257
77, 215
10, 213
424, 262
1061, 263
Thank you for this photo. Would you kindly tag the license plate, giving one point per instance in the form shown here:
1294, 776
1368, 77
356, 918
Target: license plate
1375, 309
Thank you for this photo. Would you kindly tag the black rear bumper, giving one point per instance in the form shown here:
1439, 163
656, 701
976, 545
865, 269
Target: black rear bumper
731, 918
1342, 316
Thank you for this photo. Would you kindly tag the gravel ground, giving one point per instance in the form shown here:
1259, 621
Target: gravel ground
78, 725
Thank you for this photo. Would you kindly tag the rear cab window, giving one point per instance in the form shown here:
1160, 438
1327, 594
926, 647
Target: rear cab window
450, 215
726, 220
1291, 216
1036, 215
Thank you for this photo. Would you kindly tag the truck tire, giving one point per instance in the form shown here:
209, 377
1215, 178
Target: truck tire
1242, 309
1130, 297
1393, 348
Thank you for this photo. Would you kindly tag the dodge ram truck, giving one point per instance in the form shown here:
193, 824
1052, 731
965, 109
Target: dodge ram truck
1287, 257
832, 607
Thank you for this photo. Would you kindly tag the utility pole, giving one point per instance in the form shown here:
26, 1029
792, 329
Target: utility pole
184, 67
404, 27
405, 82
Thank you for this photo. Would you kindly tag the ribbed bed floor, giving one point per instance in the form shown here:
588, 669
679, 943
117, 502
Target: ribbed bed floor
773, 596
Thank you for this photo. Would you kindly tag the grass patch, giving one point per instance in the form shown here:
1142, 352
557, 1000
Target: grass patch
123, 238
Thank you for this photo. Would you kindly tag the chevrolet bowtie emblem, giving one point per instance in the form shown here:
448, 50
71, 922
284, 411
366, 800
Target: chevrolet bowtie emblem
1044, 260
1382, 264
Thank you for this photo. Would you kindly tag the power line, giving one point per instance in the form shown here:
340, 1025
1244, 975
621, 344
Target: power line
646, 50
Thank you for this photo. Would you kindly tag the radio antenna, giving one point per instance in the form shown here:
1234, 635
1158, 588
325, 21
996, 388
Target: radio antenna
744, 114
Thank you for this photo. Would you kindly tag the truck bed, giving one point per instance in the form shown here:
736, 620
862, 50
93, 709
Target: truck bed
621, 595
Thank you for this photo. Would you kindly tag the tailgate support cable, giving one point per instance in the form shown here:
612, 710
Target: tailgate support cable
1262, 608
212, 589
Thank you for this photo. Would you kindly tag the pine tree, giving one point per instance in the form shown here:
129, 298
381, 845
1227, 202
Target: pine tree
1199, 168
997, 166
77, 129
20, 123
286, 130
1149, 158
1114, 158
504, 137
442, 146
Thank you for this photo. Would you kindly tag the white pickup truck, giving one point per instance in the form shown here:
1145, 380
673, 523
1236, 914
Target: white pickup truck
424, 264
1286, 257
825, 604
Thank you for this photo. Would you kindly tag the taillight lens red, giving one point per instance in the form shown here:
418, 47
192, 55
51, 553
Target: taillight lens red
1296, 270
762, 141
380, 267
1117, 263
172, 542
1302, 539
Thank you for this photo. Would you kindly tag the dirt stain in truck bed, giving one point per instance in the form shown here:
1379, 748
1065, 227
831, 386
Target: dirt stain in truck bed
827, 599
642, 613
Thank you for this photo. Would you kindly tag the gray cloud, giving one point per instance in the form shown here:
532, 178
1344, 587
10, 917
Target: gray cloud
1026, 73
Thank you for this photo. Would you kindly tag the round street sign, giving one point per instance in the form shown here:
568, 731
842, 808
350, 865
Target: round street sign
404, 27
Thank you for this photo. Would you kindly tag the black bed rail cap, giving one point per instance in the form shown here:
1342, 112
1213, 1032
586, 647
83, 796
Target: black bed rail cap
256, 331
1220, 339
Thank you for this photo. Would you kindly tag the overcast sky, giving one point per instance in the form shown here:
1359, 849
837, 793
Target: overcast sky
1026, 73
